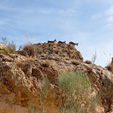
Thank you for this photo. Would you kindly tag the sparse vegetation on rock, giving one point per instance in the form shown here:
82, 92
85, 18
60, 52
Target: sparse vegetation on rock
9, 48
63, 50
44, 77
76, 88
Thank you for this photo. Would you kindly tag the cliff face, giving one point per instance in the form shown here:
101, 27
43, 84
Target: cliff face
21, 79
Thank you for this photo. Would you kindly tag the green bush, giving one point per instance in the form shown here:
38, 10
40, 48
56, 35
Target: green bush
76, 88
73, 81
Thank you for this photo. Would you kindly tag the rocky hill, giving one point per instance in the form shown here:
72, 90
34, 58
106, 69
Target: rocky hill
29, 80
60, 49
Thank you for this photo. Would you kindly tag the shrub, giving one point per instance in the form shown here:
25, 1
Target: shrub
29, 49
73, 80
10, 49
76, 88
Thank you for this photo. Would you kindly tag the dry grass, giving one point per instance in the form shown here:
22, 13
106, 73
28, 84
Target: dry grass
29, 50
10, 49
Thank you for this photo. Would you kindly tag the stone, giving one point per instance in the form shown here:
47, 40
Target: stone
21, 79
88, 62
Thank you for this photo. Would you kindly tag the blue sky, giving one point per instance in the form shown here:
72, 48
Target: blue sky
87, 22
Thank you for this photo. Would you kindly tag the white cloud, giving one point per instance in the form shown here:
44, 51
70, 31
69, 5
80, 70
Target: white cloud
110, 19
69, 12
109, 11
108, 25
105, 17
97, 16
108, 15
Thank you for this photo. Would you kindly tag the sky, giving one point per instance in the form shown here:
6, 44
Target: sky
87, 22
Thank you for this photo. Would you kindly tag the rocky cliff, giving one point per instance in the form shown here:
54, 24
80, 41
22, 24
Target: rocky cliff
22, 76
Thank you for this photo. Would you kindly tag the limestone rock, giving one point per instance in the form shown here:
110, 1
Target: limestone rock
88, 62
21, 79
60, 49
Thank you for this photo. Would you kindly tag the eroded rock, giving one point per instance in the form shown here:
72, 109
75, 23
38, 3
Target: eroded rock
21, 79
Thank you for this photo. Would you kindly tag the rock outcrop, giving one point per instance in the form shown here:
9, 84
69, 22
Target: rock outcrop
60, 49
21, 79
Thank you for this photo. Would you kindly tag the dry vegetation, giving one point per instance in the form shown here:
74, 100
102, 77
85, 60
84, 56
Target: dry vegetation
10, 47
63, 50
76, 88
